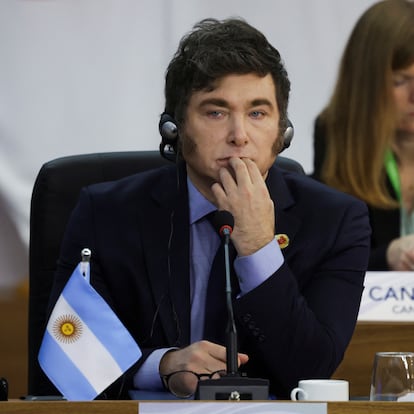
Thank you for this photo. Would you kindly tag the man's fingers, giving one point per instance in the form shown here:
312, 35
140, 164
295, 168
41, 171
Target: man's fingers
254, 172
241, 171
243, 358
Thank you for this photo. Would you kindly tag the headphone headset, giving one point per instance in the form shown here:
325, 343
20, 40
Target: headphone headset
169, 136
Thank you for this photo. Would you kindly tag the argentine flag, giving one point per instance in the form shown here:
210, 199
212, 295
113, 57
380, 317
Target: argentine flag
85, 347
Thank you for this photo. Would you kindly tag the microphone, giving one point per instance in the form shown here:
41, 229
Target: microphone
232, 386
223, 223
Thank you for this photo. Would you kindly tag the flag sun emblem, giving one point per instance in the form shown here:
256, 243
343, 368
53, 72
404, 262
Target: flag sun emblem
67, 328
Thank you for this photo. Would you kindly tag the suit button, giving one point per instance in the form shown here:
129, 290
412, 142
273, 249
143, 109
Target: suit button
247, 317
256, 332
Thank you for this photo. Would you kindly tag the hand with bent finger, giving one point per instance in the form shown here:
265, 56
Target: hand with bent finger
243, 192
201, 357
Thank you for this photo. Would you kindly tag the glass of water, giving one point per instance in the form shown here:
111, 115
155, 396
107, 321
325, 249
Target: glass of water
393, 377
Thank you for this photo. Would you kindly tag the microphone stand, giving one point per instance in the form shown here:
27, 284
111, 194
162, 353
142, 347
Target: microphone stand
232, 386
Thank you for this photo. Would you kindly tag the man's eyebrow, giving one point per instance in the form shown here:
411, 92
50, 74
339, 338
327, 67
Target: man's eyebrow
261, 101
223, 103
214, 101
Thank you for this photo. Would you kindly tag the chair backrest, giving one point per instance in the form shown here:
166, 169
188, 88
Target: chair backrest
55, 194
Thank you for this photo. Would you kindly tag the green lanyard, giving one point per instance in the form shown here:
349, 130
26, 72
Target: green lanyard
392, 172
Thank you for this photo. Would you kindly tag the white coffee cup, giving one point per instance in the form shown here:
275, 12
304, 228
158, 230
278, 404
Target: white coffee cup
321, 390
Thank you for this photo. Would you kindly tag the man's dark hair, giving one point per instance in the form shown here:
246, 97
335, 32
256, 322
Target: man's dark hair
214, 49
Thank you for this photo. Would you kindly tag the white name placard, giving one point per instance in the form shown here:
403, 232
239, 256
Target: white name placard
388, 296
235, 407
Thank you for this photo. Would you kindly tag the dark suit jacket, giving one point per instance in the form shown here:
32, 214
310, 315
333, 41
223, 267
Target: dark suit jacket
385, 224
295, 325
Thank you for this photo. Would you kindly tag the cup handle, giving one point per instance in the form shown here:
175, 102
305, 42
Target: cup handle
297, 391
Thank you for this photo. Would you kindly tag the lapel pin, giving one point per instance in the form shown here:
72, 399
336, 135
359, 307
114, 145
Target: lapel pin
282, 240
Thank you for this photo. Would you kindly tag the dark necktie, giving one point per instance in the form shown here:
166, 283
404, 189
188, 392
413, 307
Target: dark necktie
216, 309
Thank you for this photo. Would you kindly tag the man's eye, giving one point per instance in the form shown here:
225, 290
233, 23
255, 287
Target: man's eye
257, 114
214, 114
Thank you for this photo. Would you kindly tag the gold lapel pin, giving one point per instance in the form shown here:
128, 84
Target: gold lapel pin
282, 240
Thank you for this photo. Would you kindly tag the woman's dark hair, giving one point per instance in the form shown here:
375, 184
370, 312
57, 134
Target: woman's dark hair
360, 119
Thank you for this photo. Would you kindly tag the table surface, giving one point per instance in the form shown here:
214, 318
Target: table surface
369, 338
132, 407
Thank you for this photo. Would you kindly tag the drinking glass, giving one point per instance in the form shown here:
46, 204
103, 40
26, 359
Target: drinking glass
393, 377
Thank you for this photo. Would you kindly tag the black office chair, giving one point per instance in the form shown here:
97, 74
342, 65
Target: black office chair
55, 194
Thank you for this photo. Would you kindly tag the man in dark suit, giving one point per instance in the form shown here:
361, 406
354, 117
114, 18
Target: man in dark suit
302, 248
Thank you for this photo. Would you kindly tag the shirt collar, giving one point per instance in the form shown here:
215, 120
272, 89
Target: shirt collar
199, 205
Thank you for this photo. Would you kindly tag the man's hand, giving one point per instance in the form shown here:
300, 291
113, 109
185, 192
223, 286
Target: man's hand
243, 192
201, 357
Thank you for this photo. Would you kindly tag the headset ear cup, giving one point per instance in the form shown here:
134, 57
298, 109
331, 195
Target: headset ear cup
169, 137
288, 135
168, 129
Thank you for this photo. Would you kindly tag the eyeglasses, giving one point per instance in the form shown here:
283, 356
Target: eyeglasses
183, 383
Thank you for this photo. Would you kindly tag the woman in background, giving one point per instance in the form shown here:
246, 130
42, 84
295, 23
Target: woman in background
364, 138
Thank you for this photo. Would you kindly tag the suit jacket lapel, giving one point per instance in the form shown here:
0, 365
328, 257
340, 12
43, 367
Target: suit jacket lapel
168, 267
286, 222
167, 254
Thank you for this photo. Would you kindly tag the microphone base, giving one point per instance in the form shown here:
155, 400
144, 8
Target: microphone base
233, 388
